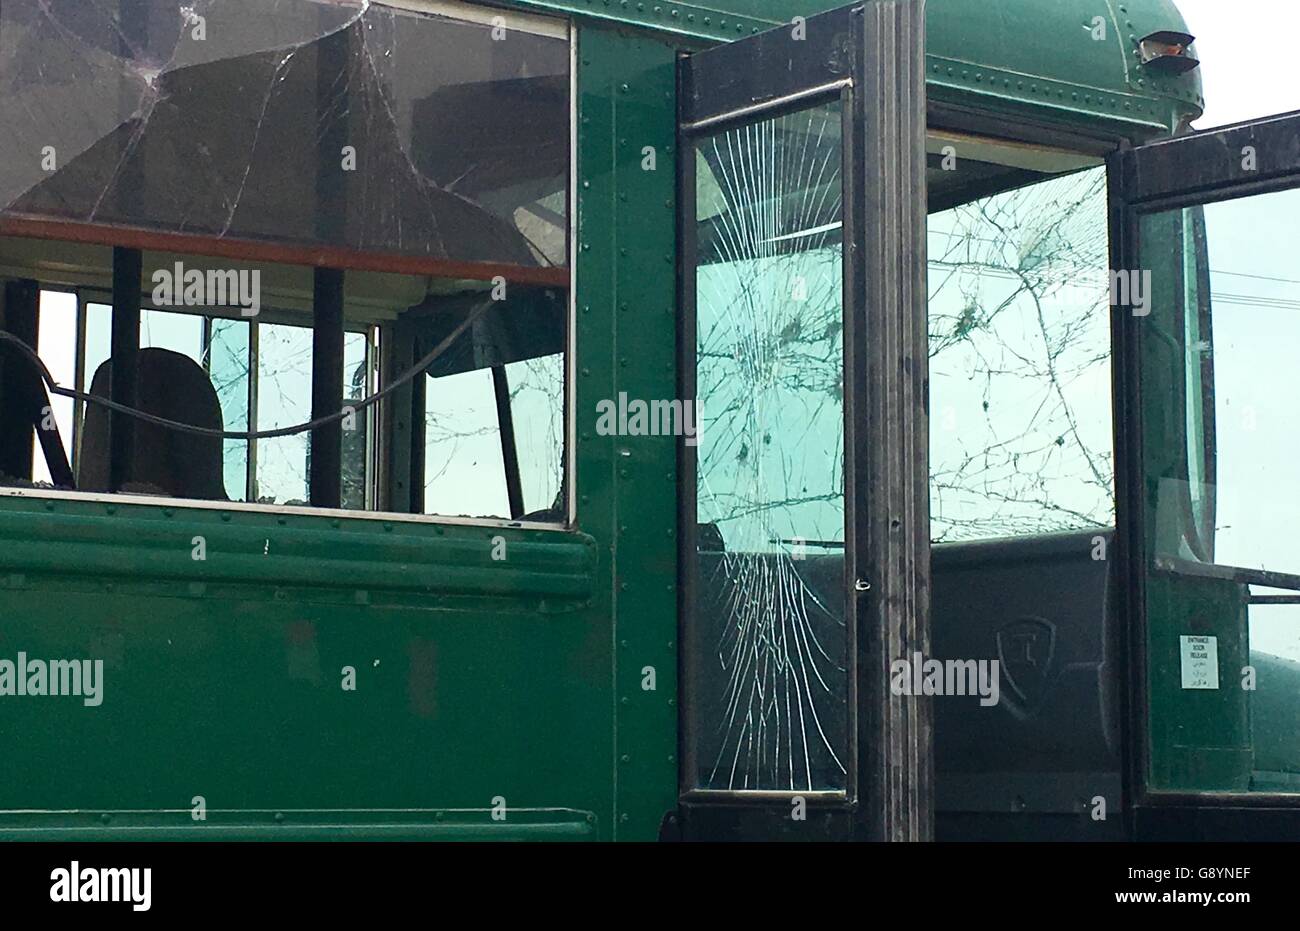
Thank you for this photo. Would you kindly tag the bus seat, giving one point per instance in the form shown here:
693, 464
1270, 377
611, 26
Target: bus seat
165, 461
1044, 608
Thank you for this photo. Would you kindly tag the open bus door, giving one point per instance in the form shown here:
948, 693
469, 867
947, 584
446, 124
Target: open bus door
1207, 304
804, 521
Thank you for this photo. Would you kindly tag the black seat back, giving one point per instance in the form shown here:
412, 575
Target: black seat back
1041, 606
165, 461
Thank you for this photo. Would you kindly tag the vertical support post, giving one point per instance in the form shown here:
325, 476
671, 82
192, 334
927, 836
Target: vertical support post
124, 353
401, 436
80, 381
509, 452
327, 388
418, 413
254, 364
20, 316
891, 459
396, 355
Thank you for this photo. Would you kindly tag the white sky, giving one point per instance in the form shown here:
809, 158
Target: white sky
1247, 59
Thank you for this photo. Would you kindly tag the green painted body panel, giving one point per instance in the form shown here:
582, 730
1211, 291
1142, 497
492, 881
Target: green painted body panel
297, 825
547, 679
1274, 724
1014, 56
1200, 738
224, 680
626, 268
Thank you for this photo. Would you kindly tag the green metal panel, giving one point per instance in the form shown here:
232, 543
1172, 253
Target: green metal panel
626, 303
223, 677
526, 680
1018, 54
366, 563
296, 825
1199, 738
1008, 55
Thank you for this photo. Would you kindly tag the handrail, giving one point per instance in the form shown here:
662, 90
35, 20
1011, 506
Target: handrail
1264, 577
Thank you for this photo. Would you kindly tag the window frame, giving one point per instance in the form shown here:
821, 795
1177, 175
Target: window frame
1170, 174
981, 193
559, 277
269, 315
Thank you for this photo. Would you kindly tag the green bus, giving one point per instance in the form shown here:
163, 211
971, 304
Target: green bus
634, 419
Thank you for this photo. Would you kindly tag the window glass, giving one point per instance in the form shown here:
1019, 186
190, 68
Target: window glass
283, 399
1021, 434
356, 429
162, 329
768, 694
1243, 436
1221, 443
309, 122
284, 375
537, 404
228, 367
99, 340
216, 366
464, 473
58, 317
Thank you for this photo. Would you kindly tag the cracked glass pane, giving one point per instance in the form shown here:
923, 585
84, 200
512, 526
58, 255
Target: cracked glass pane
507, 369
284, 367
771, 683
313, 122
1021, 436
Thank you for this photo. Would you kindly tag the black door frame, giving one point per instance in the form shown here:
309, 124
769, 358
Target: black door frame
870, 56
1169, 174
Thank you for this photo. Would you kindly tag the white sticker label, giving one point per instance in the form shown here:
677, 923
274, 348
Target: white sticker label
1200, 662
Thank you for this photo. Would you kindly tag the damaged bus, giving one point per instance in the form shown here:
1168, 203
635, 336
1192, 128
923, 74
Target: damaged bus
327, 327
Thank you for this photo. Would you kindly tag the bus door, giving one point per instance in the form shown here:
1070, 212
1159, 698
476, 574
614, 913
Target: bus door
1206, 291
804, 519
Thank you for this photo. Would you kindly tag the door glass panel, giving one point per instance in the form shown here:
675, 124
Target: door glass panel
769, 686
1221, 446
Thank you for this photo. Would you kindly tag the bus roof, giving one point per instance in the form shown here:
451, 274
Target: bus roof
1077, 59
